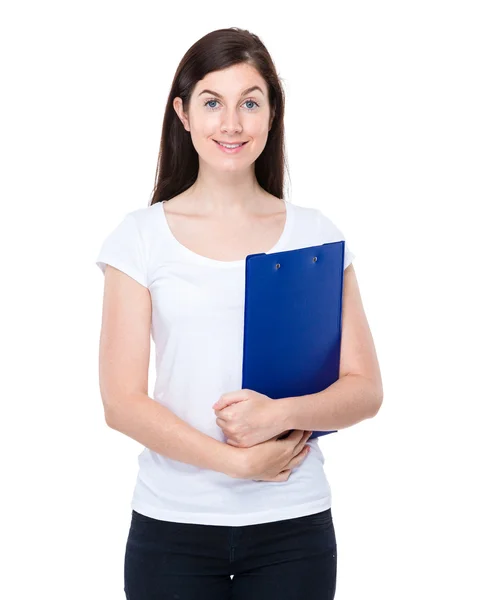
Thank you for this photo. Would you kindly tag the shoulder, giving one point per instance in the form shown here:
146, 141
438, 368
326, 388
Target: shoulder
328, 230
305, 215
312, 219
143, 217
145, 223
137, 229
318, 228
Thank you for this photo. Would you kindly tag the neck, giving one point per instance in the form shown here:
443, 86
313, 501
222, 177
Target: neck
226, 194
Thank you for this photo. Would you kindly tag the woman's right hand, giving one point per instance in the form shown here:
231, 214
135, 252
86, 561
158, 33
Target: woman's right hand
274, 459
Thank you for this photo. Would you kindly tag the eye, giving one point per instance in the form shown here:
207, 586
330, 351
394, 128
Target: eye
252, 102
209, 102
214, 108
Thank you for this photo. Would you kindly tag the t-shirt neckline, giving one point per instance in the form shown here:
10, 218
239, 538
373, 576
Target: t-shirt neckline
225, 263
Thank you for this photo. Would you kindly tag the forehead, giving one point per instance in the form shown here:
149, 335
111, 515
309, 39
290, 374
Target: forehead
232, 81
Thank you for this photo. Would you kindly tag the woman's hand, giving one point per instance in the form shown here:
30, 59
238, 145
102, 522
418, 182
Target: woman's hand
274, 460
248, 418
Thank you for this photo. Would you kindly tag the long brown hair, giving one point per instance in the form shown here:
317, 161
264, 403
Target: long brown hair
178, 161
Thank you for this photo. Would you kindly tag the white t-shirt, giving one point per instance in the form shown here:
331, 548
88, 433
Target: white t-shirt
197, 329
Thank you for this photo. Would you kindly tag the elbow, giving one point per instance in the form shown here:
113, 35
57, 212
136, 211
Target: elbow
111, 413
376, 394
117, 408
377, 406
109, 418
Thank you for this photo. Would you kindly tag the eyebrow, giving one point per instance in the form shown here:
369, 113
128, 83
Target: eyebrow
247, 91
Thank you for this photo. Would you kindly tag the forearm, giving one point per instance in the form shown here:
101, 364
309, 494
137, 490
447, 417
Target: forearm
159, 429
348, 401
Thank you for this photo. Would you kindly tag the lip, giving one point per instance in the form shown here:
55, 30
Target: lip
231, 150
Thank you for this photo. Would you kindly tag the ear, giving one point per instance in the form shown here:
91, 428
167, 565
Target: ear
183, 117
271, 121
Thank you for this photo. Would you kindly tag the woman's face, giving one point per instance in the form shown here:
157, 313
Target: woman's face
228, 113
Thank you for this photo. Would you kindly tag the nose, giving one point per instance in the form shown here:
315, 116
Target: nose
231, 122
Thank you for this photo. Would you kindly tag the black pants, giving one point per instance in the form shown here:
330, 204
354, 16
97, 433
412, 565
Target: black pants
292, 559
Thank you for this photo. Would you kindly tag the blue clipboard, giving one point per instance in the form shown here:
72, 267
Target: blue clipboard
293, 321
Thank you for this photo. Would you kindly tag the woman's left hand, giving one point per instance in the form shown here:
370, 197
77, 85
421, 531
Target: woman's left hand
247, 418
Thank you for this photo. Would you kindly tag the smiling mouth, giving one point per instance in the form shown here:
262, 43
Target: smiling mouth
242, 144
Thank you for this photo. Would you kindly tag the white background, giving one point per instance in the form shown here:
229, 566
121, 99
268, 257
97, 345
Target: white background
384, 135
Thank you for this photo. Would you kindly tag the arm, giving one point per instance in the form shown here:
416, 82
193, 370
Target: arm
159, 429
123, 376
348, 401
358, 393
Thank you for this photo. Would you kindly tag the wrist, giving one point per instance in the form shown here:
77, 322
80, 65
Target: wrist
234, 461
283, 414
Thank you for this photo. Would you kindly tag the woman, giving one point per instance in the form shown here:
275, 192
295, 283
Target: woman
210, 503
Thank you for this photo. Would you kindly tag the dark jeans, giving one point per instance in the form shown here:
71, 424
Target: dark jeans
292, 559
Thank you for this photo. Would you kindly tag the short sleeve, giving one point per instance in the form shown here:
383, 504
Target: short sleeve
124, 249
329, 232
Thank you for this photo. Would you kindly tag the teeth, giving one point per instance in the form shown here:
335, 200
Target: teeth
230, 145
